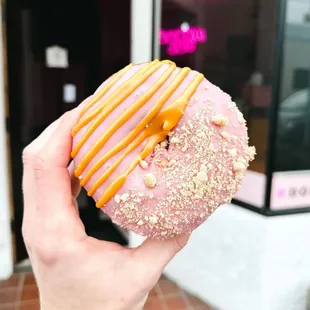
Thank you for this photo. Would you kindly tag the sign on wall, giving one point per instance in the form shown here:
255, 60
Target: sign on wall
57, 57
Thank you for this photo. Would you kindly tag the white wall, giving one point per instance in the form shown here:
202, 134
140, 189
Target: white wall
6, 259
240, 260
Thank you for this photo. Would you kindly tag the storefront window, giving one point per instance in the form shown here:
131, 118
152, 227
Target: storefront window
290, 188
231, 43
293, 132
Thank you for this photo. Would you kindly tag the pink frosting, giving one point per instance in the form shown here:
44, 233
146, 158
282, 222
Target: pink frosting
203, 167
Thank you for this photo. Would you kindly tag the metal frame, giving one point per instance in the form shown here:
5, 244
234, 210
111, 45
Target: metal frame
276, 88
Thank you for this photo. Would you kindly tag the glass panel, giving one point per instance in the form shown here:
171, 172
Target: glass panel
231, 43
293, 140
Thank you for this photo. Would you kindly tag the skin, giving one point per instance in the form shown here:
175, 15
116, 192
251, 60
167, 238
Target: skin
73, 270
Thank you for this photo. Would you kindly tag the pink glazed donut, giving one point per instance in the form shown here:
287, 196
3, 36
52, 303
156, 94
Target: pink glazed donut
159, 148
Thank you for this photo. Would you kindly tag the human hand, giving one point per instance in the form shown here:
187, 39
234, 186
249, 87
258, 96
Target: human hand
73, 270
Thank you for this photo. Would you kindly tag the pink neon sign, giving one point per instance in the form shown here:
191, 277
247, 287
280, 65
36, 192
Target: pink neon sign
181, 41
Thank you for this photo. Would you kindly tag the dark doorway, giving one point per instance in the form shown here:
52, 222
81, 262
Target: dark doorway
95, 35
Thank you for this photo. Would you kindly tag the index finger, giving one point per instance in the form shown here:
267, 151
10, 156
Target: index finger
47, 168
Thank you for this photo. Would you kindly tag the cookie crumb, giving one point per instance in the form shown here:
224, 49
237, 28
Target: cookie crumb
164, 163
153, 219
80, 177
164, 144
143, 164
150, 180
232, 152
220, 120
172, 162
202, 176
174, 140
251, 152
225, 135
140, 223
124, 197
184, 148
117, 198
238, 166
240, 118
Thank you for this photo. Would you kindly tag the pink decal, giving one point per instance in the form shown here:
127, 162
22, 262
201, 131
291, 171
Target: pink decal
281, 192
290, 190
252, 190
182, 41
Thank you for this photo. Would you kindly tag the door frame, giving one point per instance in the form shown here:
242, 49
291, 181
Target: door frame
6, 246
142, 13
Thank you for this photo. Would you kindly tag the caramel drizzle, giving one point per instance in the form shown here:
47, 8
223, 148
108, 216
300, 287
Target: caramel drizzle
155, 125
121, 121
112, 102
105, 89
132, 136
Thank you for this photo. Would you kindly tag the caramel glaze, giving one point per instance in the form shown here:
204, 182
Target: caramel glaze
103, 91
155, 126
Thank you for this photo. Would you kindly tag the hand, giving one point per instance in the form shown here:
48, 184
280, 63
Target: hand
74, 271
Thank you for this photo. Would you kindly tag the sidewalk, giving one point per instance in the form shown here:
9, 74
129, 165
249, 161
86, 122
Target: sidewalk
21, 293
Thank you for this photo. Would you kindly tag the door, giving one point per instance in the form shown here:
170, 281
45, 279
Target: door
59, 52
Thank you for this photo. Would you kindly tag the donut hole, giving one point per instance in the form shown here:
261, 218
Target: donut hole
150, 158
168, 143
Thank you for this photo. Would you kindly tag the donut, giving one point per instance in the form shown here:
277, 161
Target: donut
159, 148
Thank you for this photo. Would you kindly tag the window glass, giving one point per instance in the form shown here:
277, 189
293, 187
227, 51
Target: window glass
231, 42
293, 132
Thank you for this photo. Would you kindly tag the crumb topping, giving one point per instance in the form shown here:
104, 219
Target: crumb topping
240, 118
232, 152
220, 120
251, 152
143, 164
150, 180
164, 144
225, 135
202, 169
174, 140
239, 166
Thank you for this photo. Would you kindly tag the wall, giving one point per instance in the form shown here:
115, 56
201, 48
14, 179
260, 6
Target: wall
240, 260
6, 258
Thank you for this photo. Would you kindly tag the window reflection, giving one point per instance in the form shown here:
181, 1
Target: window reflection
293, 142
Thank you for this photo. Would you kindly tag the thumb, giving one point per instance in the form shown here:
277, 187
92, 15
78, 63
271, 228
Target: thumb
156, 254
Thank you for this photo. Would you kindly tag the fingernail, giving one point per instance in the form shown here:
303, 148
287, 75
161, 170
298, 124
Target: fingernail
183, 239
